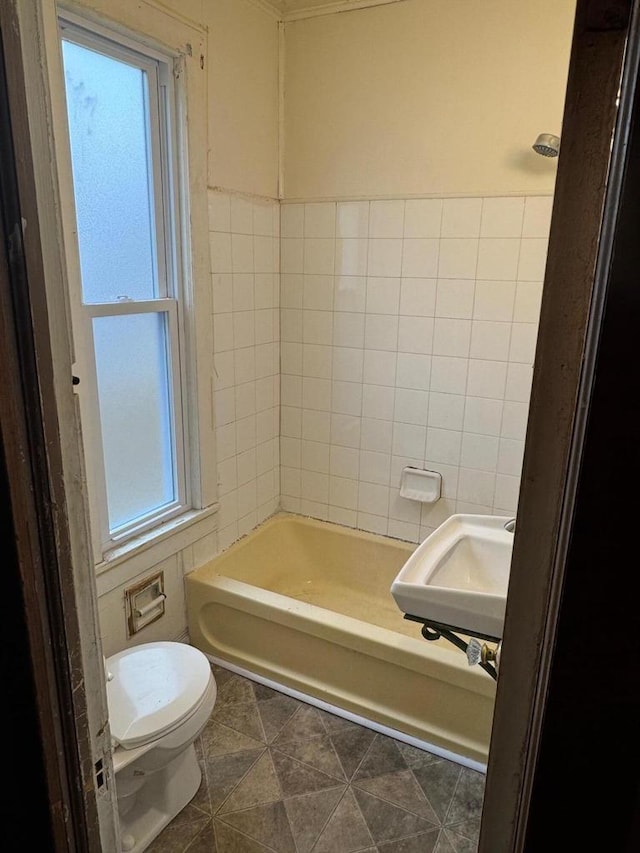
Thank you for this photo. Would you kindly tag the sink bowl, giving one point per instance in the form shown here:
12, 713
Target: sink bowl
458, 577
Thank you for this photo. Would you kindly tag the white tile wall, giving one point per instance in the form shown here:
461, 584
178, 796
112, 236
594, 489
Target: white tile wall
408, 338
245, 265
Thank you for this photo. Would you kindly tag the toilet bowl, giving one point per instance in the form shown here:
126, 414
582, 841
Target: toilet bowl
160, 697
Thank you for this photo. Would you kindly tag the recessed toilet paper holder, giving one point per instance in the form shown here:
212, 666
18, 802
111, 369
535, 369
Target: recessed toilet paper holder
417, 484
145, 602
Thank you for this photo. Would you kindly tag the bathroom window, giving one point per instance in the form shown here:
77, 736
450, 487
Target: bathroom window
126, 310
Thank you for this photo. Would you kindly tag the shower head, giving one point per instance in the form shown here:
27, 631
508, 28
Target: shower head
547, 144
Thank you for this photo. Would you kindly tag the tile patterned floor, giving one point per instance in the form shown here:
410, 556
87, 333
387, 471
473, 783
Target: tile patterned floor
280, 776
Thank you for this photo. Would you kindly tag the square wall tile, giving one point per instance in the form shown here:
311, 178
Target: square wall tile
291, 422
483, 415
374, 467
476, 487
351, 256
346, 398
344, 461
380, 367
243, 291
316, 361
524, 338
458, 258
420, 258
514, 420
348, 364
345, 430
418, 297
461, 217
510, 456
486, 378
343, 492
411, 406
348, 329
381, 332
533, 260
446, 411
423, 217
291, 290
316, 394
498, 259
317, 327
443, 445
318, 292
415, 335
242, 253
352, 220
373, 499
385, 257
518, 383
350, 293
386, 219
241, 215
378, 401
409, 440
263, 219
494, 300
220, 252
451, 337
490, 341
292, 255
449, 375
320, 220
383, 295
319, 256
527, 303
479, 452
455, 298
502, 217
507, 493
413, 371
219, 211
316, 426
376, 435
292, 220
315, 457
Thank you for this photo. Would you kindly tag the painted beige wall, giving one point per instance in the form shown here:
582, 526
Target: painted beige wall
243, 97
425, 97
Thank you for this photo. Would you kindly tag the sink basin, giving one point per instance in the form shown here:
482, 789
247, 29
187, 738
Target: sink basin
458, 577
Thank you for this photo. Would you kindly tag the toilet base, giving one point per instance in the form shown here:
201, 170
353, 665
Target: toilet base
159, 800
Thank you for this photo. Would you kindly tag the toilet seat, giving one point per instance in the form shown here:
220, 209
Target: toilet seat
154, 688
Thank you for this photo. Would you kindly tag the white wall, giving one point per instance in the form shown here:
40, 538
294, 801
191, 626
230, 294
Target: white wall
245, 259
408, 338
424, 97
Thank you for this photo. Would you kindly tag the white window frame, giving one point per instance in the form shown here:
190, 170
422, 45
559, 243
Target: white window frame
168, 192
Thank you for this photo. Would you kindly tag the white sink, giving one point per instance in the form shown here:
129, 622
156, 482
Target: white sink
458, 577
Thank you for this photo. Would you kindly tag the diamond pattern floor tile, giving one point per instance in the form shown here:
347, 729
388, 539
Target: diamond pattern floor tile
280, 776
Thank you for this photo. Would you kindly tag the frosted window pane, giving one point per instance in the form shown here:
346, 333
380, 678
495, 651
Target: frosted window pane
108, 128
135, 414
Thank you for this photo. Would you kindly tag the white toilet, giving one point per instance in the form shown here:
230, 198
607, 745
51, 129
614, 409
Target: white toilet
160, 697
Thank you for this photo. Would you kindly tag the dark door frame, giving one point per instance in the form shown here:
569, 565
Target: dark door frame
565, 698
53, 802
551, 543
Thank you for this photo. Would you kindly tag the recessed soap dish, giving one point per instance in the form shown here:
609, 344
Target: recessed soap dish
416, 484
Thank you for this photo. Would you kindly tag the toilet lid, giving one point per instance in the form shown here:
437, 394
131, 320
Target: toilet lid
154, 687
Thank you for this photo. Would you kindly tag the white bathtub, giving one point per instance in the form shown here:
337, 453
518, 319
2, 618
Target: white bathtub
306, 604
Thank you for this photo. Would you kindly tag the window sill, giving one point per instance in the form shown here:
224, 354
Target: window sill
150, 548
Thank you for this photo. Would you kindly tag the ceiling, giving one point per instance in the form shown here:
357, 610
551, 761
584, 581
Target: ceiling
298, 8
